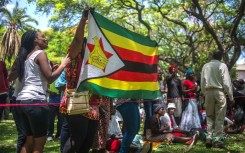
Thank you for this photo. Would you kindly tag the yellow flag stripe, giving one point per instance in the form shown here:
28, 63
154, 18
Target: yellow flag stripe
125, 85
126, 43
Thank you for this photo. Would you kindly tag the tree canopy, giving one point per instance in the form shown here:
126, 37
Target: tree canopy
187, 31
13, 20
19, 18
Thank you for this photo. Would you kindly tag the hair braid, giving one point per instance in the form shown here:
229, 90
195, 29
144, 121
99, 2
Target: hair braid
27, 45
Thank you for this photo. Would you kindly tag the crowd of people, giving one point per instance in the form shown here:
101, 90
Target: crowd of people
190, 107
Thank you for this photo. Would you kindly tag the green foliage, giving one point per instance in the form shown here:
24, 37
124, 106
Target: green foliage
233, 73
3, 2
186, 35
16, 20
19, 17
65, 13
58, 44
2, 31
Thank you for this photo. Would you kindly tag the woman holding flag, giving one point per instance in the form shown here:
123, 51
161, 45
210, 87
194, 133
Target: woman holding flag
82, 127
112, 65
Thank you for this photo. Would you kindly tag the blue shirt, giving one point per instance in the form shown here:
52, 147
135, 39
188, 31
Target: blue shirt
61, 81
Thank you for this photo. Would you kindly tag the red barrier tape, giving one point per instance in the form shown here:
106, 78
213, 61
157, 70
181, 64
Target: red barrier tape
93, 103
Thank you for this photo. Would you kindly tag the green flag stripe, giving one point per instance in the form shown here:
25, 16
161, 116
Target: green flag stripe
137, 94
115, 28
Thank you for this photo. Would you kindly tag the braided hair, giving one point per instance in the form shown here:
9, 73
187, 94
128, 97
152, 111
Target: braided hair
27, 45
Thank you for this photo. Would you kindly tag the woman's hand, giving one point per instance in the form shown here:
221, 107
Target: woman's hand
65, 61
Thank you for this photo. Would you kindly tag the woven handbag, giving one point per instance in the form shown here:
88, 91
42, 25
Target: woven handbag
77, 102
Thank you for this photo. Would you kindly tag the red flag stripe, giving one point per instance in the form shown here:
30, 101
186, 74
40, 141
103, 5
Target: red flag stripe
134, 76
130, 55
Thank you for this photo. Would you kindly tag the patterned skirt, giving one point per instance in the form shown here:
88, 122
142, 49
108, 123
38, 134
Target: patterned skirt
104, 117
190, 118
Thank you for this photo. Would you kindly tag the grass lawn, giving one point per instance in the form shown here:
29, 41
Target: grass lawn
8, 139
235, 143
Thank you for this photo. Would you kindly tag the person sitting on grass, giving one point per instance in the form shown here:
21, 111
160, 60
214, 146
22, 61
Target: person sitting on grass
157, 129
115, 136
168, 118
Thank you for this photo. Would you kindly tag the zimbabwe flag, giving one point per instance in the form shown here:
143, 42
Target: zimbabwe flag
118, 63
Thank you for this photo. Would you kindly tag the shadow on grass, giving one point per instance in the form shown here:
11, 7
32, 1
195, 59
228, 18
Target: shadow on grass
7, 149
235, 143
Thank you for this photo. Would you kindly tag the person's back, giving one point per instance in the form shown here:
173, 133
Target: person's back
215, 75
215, 83
212, 74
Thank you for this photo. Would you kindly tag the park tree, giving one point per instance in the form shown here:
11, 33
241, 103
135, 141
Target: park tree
4, 2
224, 21
3, 10
19, 18
14, 21
187, 31
65, 13
58, 43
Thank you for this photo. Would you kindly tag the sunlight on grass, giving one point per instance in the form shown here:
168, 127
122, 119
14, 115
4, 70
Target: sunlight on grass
235, 143
52, 147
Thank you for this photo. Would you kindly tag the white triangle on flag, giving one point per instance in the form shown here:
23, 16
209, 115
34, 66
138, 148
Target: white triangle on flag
101, 60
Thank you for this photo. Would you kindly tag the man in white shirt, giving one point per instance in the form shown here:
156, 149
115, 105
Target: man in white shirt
215, 84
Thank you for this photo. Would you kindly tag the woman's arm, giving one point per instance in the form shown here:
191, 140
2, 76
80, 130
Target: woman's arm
51, 76
76, 44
